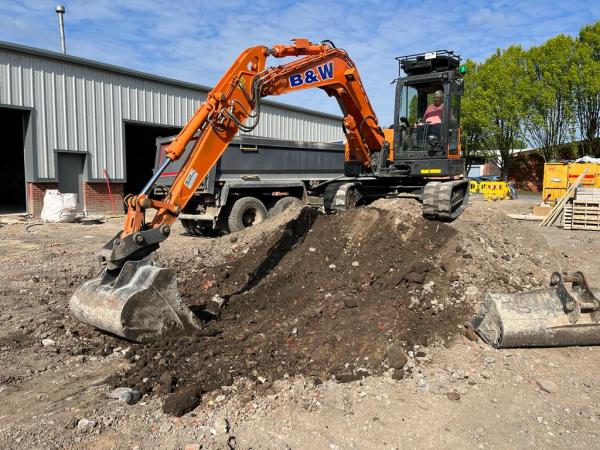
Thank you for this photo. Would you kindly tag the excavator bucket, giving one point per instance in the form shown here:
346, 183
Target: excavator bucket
549, 317
141, 303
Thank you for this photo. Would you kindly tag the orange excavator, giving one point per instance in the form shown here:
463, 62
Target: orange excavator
137, 299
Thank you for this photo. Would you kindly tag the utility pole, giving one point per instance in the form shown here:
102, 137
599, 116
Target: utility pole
60, 10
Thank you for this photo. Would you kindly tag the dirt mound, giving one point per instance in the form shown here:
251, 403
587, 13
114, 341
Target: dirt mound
323, 296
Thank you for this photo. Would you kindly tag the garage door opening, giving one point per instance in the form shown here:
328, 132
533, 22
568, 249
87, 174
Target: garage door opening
140, 151
12, 170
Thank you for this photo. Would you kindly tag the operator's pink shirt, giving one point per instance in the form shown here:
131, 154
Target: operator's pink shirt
433, 114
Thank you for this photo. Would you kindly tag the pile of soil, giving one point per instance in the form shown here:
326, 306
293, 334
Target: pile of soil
322, 296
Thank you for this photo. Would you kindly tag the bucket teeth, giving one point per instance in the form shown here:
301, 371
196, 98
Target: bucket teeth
141, 303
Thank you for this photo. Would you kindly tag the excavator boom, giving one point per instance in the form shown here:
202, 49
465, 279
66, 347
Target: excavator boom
229, 105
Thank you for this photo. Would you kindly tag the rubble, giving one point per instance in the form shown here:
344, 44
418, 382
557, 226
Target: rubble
396, 358
547, 386
86, 425
124, 394
332, 378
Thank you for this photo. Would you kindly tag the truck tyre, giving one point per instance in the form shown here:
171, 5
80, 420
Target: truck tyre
282, 204
246, 211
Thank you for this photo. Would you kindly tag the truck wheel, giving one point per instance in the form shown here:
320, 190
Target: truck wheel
198, 228
282, 204
246, 211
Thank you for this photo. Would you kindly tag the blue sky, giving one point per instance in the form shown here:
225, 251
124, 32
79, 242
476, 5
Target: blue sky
197, 40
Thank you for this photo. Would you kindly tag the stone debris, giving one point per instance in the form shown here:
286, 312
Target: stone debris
453, 395
221, 426
215, 304
396, 358
588, 412
124, 394
350, 303
251, 387
86, 425
547, 386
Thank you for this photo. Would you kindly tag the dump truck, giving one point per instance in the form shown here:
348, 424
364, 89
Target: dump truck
255, 178
135, 298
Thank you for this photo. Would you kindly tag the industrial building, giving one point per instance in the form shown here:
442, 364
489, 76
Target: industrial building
72, 124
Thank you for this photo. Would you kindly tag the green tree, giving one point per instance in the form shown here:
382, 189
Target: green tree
551, 70
586, 88
494, 106
473, 121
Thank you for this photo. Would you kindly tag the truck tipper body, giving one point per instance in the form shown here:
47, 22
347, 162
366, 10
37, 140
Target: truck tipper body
257, 172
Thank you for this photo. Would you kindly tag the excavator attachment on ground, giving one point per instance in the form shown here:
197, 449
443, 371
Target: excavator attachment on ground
548, 317
138, 300
140, 303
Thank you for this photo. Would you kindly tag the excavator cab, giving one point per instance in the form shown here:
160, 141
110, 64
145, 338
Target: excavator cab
427, 115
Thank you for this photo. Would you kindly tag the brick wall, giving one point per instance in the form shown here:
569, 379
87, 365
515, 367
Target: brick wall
95, 197
527, 172
97, 200
35, 196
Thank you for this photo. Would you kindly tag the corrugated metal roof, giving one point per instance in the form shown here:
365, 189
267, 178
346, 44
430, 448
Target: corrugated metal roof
148, 76
80, 105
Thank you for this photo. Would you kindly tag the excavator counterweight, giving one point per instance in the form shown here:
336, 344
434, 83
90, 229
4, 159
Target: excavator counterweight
137, 299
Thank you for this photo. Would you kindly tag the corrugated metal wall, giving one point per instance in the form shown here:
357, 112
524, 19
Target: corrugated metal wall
82, 108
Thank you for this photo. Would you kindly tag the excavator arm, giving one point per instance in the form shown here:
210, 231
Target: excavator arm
233, 102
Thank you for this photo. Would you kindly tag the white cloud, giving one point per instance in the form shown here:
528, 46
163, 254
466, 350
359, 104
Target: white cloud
197, 40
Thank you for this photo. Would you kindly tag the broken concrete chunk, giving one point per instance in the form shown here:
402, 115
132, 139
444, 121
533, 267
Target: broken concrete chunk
350, 303
86, 425
547, 386
421, 267
215, 304
396, 358
124, 394
453, 395
221, 425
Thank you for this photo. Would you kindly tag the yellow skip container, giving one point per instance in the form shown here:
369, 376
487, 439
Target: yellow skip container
559, 176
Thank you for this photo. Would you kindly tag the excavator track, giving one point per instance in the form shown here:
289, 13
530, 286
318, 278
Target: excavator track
339, 197
445, 200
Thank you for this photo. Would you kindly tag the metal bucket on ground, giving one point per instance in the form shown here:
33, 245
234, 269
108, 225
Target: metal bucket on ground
549, 317
140, 303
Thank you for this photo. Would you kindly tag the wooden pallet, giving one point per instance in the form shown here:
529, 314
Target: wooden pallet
582, 215
587, 193
557, 211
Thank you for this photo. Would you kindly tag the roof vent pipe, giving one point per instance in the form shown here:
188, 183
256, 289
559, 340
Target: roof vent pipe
60, 10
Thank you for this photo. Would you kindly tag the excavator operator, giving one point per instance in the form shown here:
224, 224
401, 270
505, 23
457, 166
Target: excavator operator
433, 113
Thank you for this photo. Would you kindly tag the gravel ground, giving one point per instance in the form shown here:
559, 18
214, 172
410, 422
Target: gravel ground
304, 355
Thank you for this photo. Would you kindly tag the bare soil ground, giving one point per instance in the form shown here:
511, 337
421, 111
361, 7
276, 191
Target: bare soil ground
309, 350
